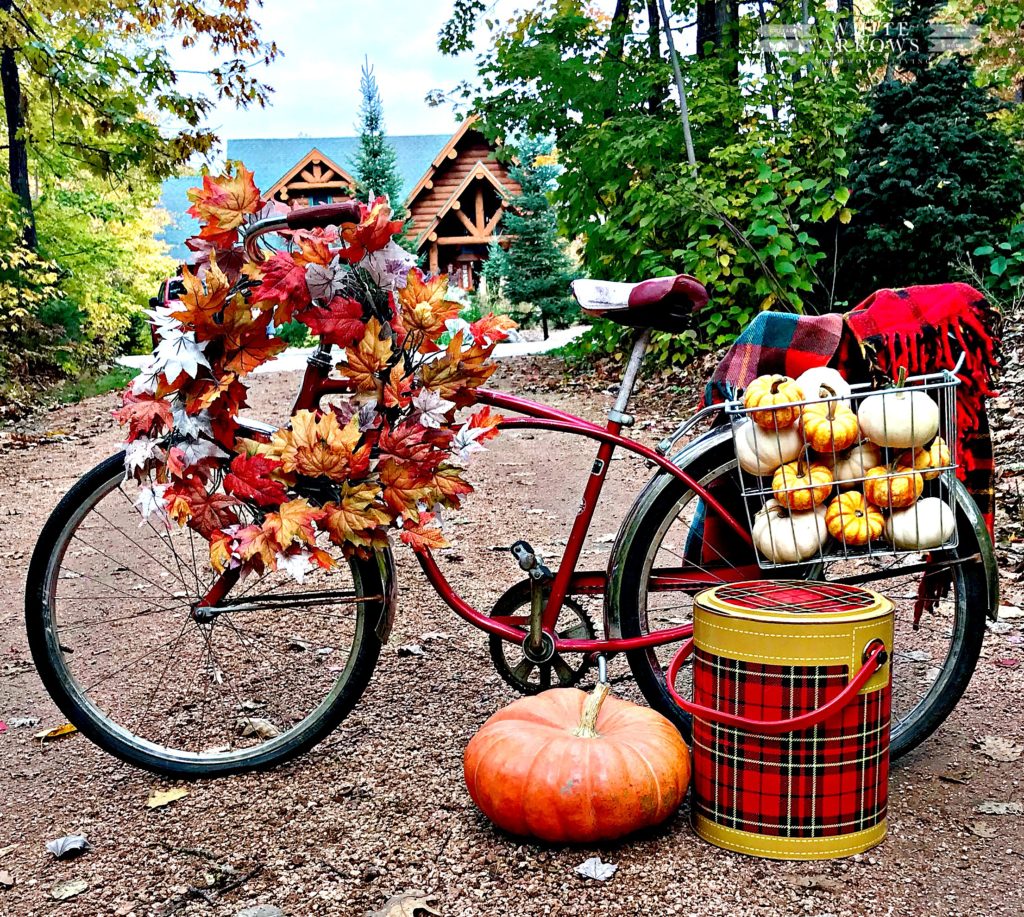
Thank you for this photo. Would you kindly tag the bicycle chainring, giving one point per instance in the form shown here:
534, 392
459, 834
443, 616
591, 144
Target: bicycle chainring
560, 672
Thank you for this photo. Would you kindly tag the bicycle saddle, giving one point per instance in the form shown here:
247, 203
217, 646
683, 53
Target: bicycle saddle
662, 303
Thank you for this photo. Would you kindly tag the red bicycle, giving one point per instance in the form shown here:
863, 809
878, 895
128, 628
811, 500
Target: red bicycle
175, 668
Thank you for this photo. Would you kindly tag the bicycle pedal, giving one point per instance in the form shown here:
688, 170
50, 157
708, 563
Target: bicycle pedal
524, 554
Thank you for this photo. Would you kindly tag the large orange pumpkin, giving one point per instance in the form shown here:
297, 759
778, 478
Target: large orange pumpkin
561, 767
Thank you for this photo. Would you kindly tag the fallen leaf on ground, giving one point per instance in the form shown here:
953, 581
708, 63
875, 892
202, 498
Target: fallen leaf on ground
411, 649
991, 807
595, 869
982, 829
406, 904
1000, 749
64, 890
20, 722
68, 845
815, 883
160, 798
63, 730
6, 879
257, 726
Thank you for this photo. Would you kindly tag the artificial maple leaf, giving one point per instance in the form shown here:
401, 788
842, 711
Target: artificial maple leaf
367, 358
314, 247
247, 339
412, 442
283, 283
201, 394
258, 547
447, 480
250, 479
485, 419
294, 521
421, 536
404, 485
322, 559
318, 445
340, 322
424, 307
188, 500
222, 203
452, 375
491, 329
145, 415
220, 550
398, 388
358, 516
373, 232
199, 304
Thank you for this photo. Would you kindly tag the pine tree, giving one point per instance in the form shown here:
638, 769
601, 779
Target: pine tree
376, 164
538, 269
932, 176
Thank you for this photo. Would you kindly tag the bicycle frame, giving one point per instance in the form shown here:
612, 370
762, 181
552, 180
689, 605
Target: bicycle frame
317, 384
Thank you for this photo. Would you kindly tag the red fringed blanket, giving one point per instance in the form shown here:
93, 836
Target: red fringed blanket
924, 328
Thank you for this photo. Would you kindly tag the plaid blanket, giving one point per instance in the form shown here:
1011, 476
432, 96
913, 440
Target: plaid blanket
923, 328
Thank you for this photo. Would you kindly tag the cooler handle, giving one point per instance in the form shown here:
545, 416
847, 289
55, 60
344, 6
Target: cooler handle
875, 656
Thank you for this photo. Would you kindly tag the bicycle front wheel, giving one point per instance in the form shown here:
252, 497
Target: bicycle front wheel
111, 613
934, 654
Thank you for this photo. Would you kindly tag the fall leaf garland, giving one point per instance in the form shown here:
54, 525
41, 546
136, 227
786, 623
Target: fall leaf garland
392, 454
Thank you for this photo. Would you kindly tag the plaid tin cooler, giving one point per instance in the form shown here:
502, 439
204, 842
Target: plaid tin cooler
791, 699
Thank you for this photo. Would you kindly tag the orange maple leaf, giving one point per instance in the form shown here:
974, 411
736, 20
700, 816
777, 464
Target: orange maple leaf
398, 389
199, 305
425, 309
367, 358
358, 517
405, 484
314, 247
317, 445
455, 374
247, 340
447, 480
491, 329
421, 536
222, 203
220, 550
294, 521
373, 232
258, 547
144, 414
485, 419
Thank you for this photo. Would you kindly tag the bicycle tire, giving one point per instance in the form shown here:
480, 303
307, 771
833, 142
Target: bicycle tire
971, 605
371, 576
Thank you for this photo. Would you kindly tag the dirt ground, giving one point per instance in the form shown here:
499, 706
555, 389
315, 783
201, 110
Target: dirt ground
380, 807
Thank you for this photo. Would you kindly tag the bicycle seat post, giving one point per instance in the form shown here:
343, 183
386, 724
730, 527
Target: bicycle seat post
618, 415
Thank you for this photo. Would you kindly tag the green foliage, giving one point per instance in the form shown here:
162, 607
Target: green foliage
933, 179
494, 272
755, 221
537, 270
295, 333
82, 387
376, 162
1003, 267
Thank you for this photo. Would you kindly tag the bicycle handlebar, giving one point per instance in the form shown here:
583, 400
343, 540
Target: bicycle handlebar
300, 218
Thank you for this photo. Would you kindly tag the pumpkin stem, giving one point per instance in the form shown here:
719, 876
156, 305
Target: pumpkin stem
826, 391
901, 377
587, 728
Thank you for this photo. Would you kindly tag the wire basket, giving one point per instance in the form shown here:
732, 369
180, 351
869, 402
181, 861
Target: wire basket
814, 494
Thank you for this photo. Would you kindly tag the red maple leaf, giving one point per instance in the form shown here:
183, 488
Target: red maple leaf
412, 442
247, 340
144, 414
486, 420
222, 203
283, 283
339, 322
404, 486
421, 536
206, 512
250, 479
373, 232
491, 328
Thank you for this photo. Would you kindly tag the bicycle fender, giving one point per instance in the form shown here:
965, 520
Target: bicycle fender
628, 530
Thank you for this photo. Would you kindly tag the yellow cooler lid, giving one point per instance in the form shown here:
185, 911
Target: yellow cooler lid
794, 602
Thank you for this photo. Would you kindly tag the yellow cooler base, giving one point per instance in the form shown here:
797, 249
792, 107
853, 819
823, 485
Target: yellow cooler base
789, 848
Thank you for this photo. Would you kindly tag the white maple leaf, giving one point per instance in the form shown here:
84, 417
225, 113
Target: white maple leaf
191, 425
432, 408
295, 564
148, 379
139, 453
389, 267
198, 450
465, 442
151, 503
369, 419
162, 320
324, 282
179, 352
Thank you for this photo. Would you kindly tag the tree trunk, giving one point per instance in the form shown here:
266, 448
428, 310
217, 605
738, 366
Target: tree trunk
17, 150
619, 29
655, 102
718, 26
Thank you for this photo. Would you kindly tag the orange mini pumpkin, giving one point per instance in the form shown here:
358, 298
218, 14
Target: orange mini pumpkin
776, 395
829, 426
852, 520
893, 488
566, 767
937, 455
799, 486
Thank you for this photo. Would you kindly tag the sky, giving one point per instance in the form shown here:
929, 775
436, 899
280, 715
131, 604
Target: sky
316, 80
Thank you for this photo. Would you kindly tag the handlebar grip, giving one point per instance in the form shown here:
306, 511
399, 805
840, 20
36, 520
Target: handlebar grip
323, 215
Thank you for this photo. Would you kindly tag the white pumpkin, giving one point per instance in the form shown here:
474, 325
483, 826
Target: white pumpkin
927, 524
761, 451
813, 379
788, 538
899, 418
854, 463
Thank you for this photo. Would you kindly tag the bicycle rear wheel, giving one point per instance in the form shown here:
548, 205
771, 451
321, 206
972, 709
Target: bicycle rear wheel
931, 665
276, 666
